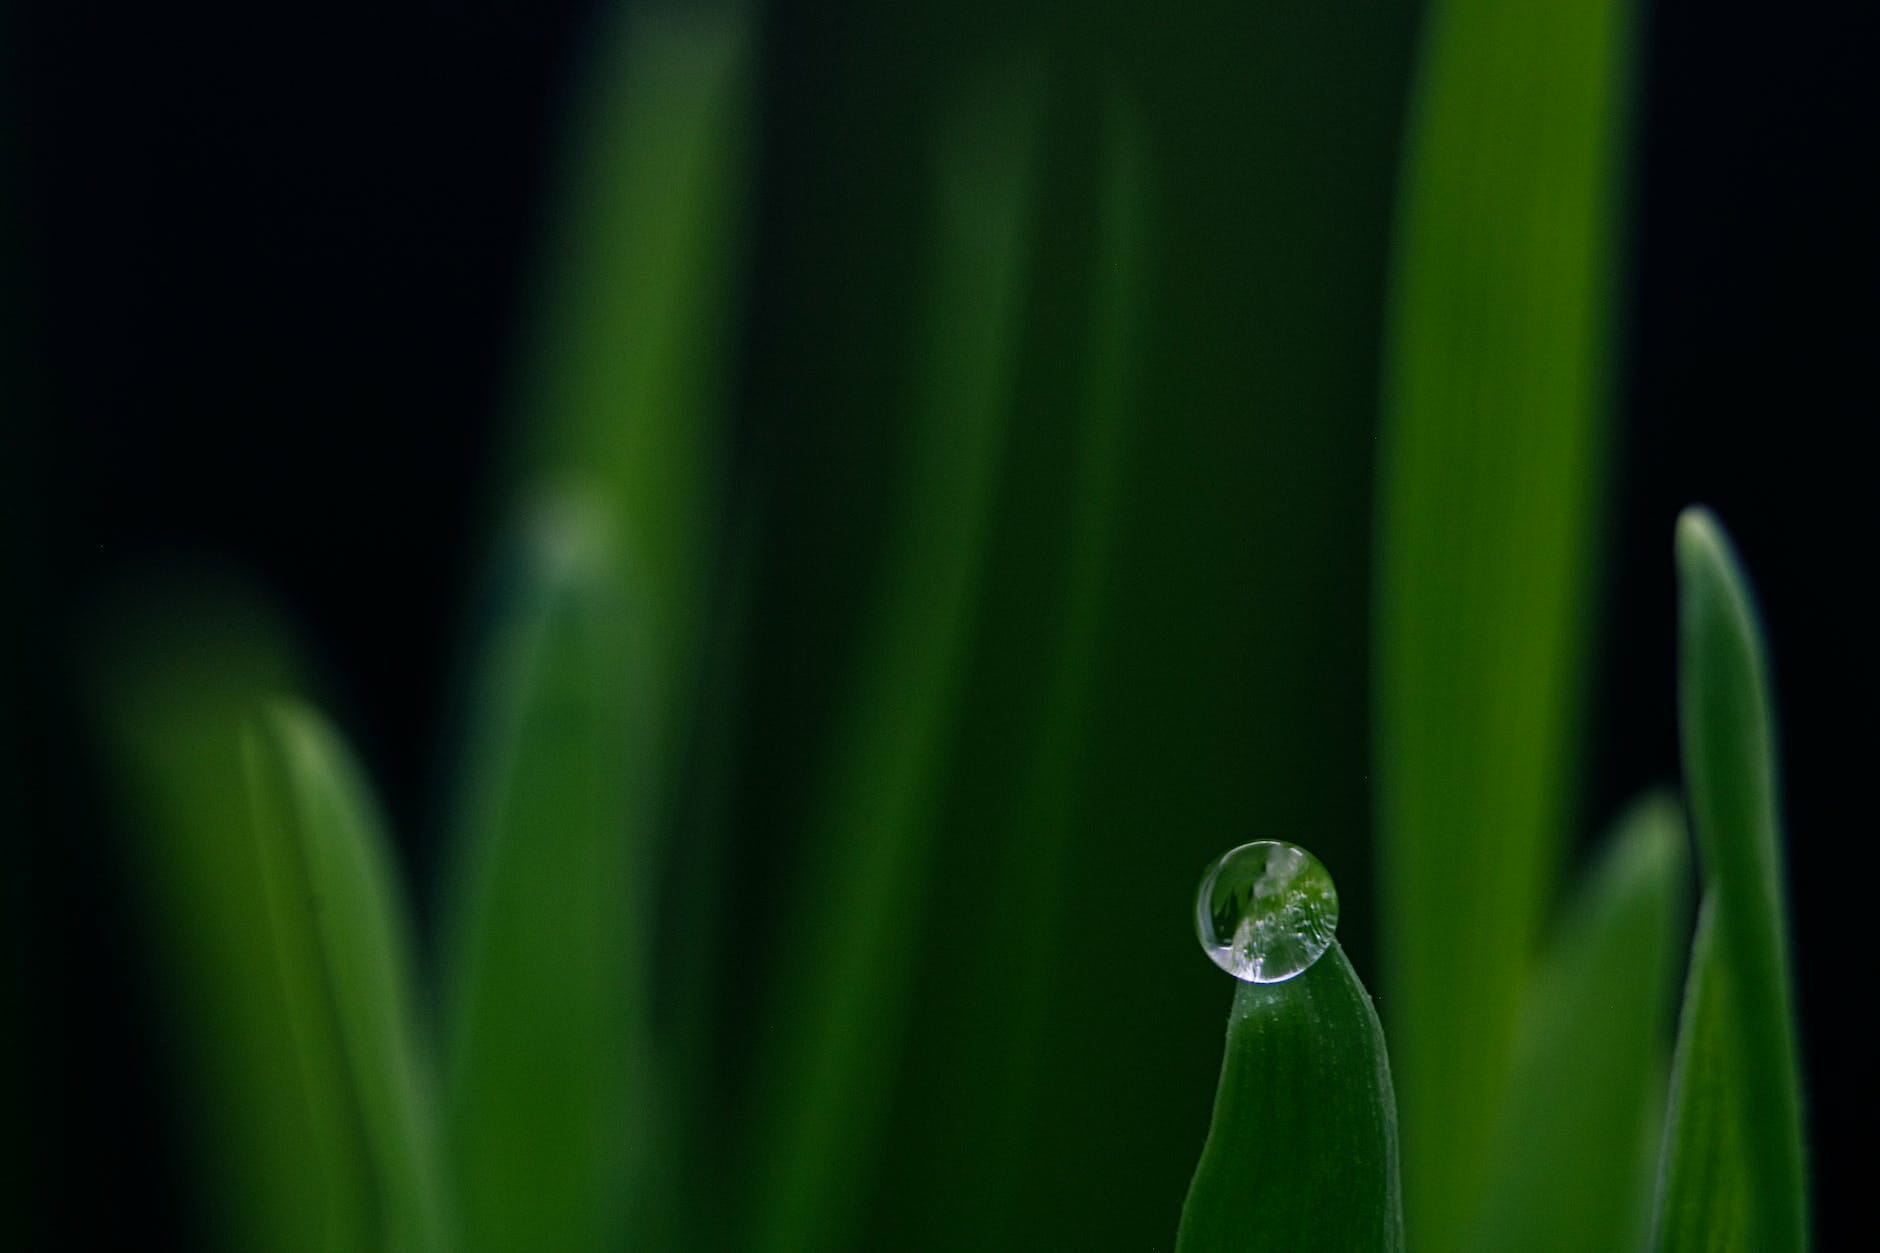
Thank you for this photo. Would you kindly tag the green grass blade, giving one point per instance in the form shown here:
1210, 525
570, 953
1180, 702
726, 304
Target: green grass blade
1575, 1153
1302, 1153
549, 909
1704, 1180
969, 1104
841, 999
1496, 366
556, 1114
344, 942
172, 699
1727, 724
280, 937
631, 362
683, 1203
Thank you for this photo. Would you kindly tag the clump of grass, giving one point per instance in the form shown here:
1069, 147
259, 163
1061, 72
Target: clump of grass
1587, 1154
535, 1107
528, 1080
1531, 1058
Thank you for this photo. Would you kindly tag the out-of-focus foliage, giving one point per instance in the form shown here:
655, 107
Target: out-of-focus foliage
1575, 1153
546, 1001
568, 1113
837, 1001
937, 521
1493, 439
263, 861
344, 953
986, 1028
629, 362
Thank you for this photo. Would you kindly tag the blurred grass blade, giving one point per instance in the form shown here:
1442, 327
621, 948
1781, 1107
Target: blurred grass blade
1704, 1179
172, 698
1302, 1153
344, 943
841, 1001
1575, 1152
1496, 367
985, 1020
1728, 731
578, 719
682, 1204
281, 936
630, 365
549, 906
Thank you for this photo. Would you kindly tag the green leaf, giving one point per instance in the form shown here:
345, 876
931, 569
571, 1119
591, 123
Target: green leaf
631, 358
172, 697
1728, 730
696, 1012
1704, 1180
1575, 1151
549, 904
343, 942
280, 935
565, 1124
969, 1103
1302, 1152
1496, 368
841, 997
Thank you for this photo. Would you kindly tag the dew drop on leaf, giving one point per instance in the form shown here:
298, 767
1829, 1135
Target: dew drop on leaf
1266, 911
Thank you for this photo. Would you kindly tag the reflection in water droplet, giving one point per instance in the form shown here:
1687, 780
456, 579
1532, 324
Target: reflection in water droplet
1266, 911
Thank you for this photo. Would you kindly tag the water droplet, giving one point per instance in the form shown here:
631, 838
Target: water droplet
1266, 911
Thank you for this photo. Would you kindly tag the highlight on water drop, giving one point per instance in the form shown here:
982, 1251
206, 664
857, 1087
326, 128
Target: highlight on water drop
1266, 911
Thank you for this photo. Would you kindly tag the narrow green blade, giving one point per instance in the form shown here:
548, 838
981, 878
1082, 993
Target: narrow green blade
630, 362
1496, 367
281, 936
1574, 1156
968, 1117
695, 1010
549, 910
560, 1125
1302, 1153
1704, 1179
172, 700
344, 943
840, 1001
1728, 730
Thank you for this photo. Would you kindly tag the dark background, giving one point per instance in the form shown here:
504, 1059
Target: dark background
273, 265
